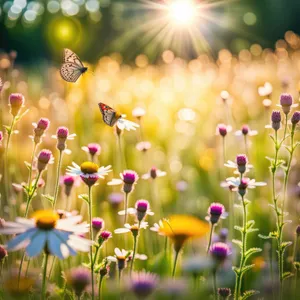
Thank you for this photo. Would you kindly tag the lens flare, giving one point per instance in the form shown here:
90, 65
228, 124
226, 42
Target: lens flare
182, 12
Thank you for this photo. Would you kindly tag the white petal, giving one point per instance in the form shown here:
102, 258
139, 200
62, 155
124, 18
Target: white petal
118, 252
121, 230
115, 182
146, 176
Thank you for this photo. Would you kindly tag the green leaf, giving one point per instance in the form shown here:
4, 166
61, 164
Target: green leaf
247, 268
251, 251
296, 265
286, 275
49, 198
238, 242
252, 230
28, 165
8, 129
249, 293
239, 228
84, 197
265, 237
284, 245
19, 117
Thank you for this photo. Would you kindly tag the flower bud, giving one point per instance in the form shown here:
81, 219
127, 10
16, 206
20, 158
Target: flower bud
141, 207
286, 101
276, 119
3, 253
215, 211
43, 159
224, 293
241, 161
62, 135
16, 101
295, 118
222, 130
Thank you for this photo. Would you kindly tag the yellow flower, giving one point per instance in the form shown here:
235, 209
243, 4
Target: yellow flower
180, 228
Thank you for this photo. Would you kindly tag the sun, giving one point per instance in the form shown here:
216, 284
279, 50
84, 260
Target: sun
182, 12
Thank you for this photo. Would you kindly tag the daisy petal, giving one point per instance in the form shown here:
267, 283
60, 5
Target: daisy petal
17, 242
37, 243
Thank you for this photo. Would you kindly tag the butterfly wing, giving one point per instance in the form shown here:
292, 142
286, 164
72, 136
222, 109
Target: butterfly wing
71, 57
110, 116
70, 72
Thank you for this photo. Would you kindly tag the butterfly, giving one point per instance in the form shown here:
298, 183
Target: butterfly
72, 66
110, 116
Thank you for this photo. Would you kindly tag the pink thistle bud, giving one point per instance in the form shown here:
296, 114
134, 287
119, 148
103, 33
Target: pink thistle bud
245, 129
1, 136
295, 118
62, 135
222, 130
94, 148
141, 207
129, 178
3, 253
104, 236
16, 101
90, 180
43, 159
68, 182
219, 251
153, 173
286, 101
224, 293
79, 279
215, 211
97, 224
298, 230
243, 186
43, 124
276, 119
241, 161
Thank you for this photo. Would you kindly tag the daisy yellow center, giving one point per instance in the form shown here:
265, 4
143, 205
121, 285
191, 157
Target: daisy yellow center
45, 219
89, 167
121, 257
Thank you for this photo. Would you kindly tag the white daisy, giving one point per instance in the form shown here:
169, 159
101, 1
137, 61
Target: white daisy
251, 183
119, 255
153, 173
123, 123
131, 228
88, 170
45, 229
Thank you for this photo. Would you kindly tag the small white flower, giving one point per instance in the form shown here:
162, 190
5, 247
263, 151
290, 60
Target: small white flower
233, 165
251, 184
129, 228
153, 173
133, 211
123, 123
138, 112
119, 254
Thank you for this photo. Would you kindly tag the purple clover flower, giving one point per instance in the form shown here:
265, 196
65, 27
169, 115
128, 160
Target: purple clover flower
43, 159
219, 251
215, 211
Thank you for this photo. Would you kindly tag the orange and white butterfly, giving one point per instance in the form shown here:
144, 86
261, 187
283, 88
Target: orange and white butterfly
72, 66
111, 118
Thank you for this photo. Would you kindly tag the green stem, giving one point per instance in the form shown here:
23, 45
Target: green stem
175, 263
215, 284
224, 150
30, 195
31, 165
212, 226
44, 289
92, 238
278, 214
135, 241
239, 275
6, 169
125, 207
57, 178
246, 145
100, 285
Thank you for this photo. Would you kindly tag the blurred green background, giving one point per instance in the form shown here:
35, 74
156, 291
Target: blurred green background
94, 28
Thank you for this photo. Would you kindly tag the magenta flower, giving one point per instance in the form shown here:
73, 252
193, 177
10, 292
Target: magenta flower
79, 279
104, 236
97, 224
44, 158
215, 212
128, 178
1, 136
223, 129
295, 118
62, 135
286, 103
16, 102
219, 251
92, 148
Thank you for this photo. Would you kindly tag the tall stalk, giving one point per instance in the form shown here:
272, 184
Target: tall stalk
57, 178
92, 238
